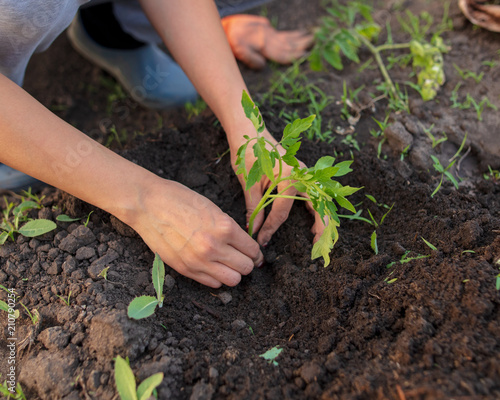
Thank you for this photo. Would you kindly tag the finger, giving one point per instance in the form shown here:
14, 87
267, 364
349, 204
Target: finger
249, 56
236, 260
252, 198
277, 216
204, 279
319, 223
223, 274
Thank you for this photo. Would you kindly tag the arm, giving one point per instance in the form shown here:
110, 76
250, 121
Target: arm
194, 237
192, 31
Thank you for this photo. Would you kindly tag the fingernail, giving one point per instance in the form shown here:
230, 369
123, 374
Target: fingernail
261, 264
247, 226
265, 244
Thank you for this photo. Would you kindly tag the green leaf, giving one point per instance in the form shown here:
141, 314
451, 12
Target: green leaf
271, 354
25, 205
348, 47
37, 227
67, 218
3, 237
293, 130
158, 278
373, 242
431, 246
145, 389
4, 306
370, 197
315, 60
252, 112
324, 162
343, 202
254, 175
332, 56
343, 168
264, 158
326, 242
142, 307
125, 380
289, 157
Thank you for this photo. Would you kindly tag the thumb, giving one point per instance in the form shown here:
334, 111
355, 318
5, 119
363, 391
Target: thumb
252, 198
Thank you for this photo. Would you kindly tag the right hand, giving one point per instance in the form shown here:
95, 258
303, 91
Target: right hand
193, 236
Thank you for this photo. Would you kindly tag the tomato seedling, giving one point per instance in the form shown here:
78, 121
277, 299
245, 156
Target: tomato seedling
316, 182
144, 306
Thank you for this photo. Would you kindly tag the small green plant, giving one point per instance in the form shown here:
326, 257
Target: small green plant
104, 273
34, 315
144, 306
67, 218
315, 182
347, 28
445, 171
465, 74
380, 133
492, 174
126, 383
8, 392
429, 244
196, 108
66, 300
435, 141
272, 354
4, 306
14, 216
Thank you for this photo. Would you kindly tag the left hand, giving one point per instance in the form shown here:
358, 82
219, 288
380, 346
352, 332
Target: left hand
281, 207
253, 40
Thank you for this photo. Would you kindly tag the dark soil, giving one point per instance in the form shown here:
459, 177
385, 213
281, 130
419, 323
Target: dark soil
345, 331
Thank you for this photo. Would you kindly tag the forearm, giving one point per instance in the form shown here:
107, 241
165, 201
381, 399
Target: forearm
192, 31
35, 141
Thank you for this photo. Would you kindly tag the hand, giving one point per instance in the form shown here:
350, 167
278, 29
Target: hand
193, 236
281, 207
253, 39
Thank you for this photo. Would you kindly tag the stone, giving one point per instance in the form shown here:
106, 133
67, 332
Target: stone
398, 137
84, 253
102, 262
54, 338
84, 235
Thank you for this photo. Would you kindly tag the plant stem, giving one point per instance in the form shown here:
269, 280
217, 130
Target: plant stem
376, 53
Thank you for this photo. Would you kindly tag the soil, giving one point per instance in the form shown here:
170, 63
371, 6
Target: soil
348, 331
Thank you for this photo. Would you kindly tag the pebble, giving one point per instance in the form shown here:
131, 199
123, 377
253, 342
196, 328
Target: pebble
84, 235
54, 338
84, 253
398, 137
238, 324
225, 297
169, 282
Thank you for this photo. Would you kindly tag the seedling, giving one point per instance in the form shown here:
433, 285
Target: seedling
431, 246
342, 33
272, 354
465, 74
144, 306
196, 108
88, 219
126, 384
4, 306
445, 171
104, 273
435, 141
14, 216
65, 301
315, 182
8, 392
34, 315
493, 174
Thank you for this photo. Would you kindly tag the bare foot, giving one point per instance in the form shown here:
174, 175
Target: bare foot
253, 40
